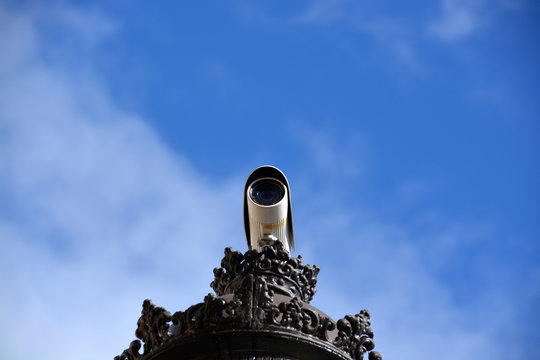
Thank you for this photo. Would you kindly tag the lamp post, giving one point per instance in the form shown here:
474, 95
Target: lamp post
260, 310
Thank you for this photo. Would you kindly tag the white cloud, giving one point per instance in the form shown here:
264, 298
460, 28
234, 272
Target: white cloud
414, 314
346, 155
459, 19
96, 209
394, 36
394, 270
323, 12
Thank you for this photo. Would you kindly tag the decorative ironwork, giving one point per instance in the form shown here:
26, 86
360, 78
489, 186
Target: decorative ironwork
253, 292
285, 275
131, 353
355, 336
152, 329
294, 316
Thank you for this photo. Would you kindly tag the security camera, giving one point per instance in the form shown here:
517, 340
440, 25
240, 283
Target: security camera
267, 209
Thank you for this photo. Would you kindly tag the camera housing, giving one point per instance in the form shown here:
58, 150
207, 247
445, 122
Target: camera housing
267, 209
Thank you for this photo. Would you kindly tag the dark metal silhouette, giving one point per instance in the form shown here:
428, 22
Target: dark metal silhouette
260, 311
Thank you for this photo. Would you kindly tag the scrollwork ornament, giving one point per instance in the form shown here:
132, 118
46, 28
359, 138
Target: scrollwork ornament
317, 325
131, 353
373, 355
355, 336
152, 326
295, 278
231, 267
291, 314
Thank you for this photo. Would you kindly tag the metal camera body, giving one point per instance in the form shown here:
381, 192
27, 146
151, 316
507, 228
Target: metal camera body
267, 209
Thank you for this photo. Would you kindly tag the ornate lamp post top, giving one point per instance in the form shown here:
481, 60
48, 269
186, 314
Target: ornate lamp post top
260, 310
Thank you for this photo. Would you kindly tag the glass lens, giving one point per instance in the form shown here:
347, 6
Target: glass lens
267, 192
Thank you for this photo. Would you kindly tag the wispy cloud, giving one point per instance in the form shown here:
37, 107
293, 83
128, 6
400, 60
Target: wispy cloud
459, 19
390, 270
398, 39
331, 153
323, 12
393, 36
95, 209
401, 37
404, 273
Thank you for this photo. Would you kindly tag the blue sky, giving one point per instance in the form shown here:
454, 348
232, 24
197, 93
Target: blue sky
410, 134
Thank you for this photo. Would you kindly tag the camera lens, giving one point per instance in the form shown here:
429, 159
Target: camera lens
266, 192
